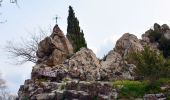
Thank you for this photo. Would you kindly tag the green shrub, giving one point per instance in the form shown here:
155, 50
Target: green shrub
164, 44
43, 79
135, 89
150, 88
130, 88
62, 87
168, 98
164, 81
150, 65
26, 98
154, 36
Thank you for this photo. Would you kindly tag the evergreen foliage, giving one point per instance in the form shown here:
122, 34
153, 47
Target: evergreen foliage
154, 36
74, 33
150, 65
164, 44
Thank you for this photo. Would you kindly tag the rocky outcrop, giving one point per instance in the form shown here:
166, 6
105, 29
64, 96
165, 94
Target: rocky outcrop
54, 49
117, 63
61, 74
161, 30
78, 77
116, 67
126, 44
83, 66
57, 69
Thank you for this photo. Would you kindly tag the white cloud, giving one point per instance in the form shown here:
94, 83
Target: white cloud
107, 45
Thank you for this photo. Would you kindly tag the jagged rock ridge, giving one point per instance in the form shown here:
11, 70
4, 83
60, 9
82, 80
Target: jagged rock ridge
61, 75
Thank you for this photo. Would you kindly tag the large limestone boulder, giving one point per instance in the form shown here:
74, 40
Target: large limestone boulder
54, 49
116, 67
113, 59
128, 43
83, 65
117, 64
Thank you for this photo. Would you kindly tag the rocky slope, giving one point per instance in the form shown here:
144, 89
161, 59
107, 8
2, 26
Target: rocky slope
61, 75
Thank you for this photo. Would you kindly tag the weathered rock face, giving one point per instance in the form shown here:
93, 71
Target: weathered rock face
159, 96
145, 41
75, 78
162, 30
145, 36
61, 75
116, 67
112, 60
83, 65
66, 91
128, 43
55, 49
50, 76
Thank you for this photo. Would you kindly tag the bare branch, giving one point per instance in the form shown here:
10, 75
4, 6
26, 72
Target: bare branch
25, 50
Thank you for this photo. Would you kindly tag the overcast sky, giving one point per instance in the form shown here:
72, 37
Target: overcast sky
103, 22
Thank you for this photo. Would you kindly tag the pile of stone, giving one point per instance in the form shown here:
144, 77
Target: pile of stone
60, 74
80, 90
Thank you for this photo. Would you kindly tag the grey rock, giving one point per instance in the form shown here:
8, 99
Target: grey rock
43, 96
54, 50
127, 44
165, 27
159, 96
156, 27
59, 95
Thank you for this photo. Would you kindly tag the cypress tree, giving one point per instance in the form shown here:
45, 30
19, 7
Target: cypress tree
74, 33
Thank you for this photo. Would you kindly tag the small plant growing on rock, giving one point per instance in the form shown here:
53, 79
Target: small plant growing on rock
62, 87
66, 79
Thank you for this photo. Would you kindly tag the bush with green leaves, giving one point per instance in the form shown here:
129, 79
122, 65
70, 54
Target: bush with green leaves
164, 44
155, 35
150, 65
134, 89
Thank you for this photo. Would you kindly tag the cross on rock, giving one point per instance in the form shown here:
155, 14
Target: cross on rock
56, 18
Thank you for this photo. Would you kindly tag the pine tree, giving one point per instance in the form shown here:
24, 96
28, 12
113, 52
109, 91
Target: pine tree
74, 33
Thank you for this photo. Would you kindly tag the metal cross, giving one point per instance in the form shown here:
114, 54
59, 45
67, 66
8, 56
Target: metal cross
56, 18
